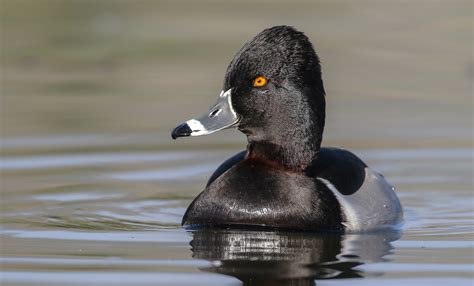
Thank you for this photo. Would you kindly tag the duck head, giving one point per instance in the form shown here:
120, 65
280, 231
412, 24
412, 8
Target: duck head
274, 94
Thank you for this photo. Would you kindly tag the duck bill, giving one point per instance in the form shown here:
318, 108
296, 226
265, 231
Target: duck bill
220, 116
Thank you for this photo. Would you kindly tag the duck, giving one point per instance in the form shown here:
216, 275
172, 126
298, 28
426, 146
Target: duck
273, 93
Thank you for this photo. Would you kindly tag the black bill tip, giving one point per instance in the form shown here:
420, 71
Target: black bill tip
182, 130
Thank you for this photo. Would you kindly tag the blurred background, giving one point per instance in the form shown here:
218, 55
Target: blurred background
397, 74
93, 188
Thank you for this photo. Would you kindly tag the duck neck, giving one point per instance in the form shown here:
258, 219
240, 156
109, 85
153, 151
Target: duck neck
294, 147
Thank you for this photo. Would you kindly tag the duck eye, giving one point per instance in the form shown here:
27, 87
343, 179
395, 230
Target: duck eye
259, 81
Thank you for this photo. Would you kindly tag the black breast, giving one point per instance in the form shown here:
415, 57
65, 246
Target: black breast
252, 193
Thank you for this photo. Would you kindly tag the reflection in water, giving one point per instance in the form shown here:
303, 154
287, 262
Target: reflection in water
286, 258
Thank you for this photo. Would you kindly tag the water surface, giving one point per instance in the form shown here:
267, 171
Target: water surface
110, 217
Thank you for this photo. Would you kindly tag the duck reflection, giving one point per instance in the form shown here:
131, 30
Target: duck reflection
288, 258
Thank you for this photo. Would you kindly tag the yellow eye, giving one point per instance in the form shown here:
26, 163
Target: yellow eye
259, 81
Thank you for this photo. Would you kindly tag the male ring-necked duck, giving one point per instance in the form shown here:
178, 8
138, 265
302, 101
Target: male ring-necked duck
274, 94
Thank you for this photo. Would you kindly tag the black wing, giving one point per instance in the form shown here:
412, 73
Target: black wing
226, 166
340, 167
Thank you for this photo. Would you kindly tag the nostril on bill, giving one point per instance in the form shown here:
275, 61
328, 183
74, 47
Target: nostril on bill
214, 113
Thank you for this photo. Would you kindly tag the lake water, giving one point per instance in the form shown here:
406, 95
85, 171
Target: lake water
113, 217
93, 189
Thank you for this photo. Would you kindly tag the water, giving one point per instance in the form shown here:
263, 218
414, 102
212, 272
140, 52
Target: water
110, 217
93, 189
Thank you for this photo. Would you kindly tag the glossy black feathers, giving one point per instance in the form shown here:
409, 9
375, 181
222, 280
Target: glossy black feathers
277, 182
251, 193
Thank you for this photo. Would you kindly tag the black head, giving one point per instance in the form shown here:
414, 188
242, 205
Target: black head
290, 106
276, 92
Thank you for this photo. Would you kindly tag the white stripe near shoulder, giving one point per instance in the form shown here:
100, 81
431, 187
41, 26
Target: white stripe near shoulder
350, 214
374, 205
